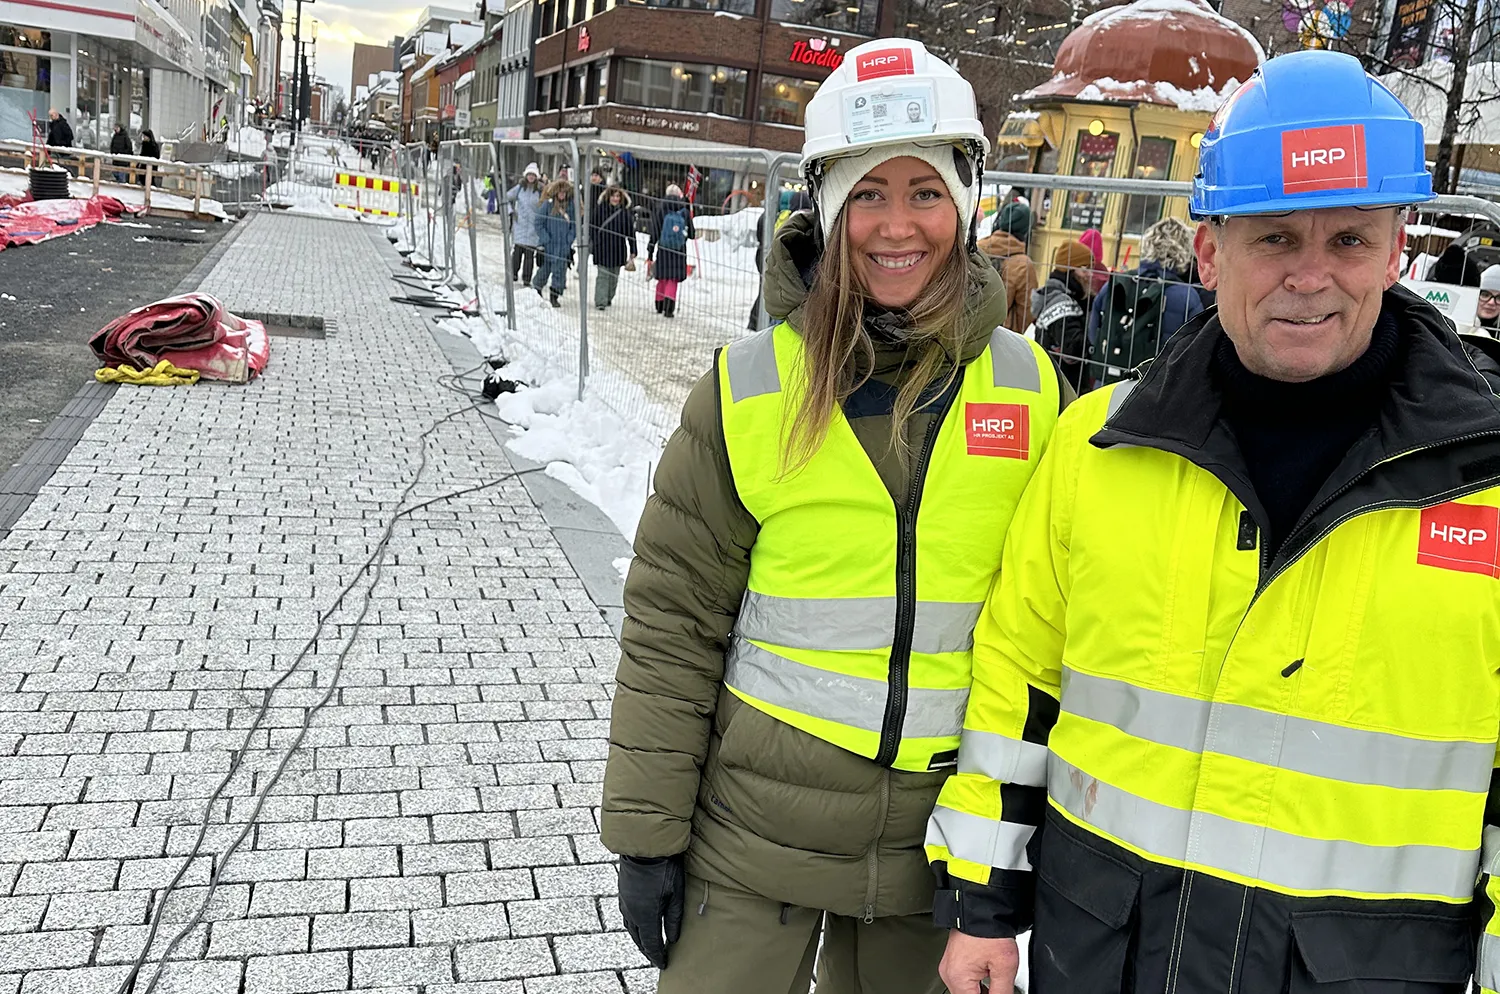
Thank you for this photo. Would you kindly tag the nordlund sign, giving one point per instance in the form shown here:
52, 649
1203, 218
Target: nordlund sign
820, 52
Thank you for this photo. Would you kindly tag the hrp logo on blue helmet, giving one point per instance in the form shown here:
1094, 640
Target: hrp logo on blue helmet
1329, 158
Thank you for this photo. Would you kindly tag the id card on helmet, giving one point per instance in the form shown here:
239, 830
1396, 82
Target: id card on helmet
894, 113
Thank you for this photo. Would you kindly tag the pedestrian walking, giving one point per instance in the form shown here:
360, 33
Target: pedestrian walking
1006, 249
1137, 311
666, 251
150, 149
795, 649
1060, 308
59, 131
556, 230
491, 195
1489, 298
613, 244
1236, 691
120, 144
523, 199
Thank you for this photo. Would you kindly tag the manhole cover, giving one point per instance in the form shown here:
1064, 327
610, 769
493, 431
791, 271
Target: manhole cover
289, 325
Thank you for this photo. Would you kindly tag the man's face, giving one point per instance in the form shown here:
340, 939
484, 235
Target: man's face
54, 115
1299, 294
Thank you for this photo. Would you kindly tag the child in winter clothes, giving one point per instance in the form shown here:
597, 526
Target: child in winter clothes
556, 231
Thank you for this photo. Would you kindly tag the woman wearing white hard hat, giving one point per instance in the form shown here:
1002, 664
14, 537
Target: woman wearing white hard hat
825, 525
1489, 298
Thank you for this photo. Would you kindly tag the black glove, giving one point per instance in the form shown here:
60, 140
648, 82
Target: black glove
652, 893
572, 257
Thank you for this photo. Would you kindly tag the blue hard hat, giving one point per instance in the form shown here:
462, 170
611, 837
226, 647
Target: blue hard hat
1310, 129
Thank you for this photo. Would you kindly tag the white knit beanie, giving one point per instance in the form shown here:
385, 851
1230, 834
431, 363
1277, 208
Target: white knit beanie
1490, 278
841, 176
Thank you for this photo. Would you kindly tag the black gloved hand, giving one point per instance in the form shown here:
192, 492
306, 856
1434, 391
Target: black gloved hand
572, 257
652, 894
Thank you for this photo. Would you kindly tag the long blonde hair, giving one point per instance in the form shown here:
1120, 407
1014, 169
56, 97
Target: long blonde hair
840, 357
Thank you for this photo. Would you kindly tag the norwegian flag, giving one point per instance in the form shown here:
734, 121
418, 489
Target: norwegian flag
694, 178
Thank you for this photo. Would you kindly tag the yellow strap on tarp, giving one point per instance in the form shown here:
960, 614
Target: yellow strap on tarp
163, 374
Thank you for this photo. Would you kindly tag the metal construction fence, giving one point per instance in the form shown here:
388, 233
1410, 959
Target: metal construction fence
628, 294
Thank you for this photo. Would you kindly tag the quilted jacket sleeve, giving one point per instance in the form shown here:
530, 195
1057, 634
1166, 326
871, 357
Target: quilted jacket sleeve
692, 561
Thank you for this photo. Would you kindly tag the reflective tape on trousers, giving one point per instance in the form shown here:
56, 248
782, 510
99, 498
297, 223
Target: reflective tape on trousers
1487, 970
1287, 742
1015, 365
1002, 758
1001, 844
751, 363
838, 697
841, 623
1273, 857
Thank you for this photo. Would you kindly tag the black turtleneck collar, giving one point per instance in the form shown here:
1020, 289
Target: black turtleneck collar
1293, 435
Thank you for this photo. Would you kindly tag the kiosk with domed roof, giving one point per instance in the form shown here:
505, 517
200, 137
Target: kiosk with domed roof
1131, 93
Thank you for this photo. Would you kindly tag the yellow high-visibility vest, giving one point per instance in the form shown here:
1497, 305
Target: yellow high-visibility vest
857, 624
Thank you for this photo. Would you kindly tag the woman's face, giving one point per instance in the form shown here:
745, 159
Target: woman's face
616, 198
1489, 304
561, 196
902, 223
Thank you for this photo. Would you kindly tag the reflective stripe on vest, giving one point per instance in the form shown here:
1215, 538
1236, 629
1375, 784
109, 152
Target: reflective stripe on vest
814, 641
1487, 971
1002, 758
1255, 853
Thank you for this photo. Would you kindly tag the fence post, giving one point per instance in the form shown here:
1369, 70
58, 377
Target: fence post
474, 238
98, 164
150, 168
198, 193
498, 153
583, 268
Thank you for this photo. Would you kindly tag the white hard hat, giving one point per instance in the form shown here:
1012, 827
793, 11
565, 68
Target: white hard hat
886, 91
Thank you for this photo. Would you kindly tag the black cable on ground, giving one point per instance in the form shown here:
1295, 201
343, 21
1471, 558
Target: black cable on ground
377, 561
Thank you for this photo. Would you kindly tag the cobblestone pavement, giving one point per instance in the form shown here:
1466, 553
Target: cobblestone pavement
437, 828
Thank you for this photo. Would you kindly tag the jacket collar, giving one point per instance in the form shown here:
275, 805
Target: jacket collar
1437, 435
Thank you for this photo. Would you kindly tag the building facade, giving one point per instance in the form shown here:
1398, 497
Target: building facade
371, 60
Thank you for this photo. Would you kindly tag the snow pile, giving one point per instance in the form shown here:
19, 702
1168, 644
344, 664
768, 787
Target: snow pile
247, 141
737, 230
583, 443
1205, 98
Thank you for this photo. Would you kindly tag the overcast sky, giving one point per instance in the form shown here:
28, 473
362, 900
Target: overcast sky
341, 23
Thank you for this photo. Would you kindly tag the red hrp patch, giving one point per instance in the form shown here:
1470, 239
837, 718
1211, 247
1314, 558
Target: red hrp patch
884, 62
998, 430
1330, 158
1462, 537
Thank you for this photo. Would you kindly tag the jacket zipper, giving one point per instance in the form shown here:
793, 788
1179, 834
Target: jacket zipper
872, 858
906, 588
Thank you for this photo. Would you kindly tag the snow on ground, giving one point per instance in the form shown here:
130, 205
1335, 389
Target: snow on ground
247, 141
15, 181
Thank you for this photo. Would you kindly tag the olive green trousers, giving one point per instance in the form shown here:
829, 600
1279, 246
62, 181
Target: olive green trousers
736, 942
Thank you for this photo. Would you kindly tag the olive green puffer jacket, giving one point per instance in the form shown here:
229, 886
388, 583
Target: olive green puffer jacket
756, 803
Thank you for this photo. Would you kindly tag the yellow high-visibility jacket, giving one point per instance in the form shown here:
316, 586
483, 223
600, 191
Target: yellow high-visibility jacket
1223, 771
858, 619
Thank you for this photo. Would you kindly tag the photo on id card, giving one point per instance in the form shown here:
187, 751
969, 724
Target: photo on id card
890, 113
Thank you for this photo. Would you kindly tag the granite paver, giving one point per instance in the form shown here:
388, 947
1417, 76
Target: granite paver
436, 830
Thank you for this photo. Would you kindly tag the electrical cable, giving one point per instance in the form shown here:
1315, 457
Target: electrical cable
377, 561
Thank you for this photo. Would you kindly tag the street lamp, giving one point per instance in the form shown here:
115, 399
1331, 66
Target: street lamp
297, 71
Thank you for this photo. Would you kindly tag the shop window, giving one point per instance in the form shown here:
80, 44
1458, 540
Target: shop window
1095, 157
25, 79
1153, 160
682, 86
576, 77
732, 6
783, 99
857, 16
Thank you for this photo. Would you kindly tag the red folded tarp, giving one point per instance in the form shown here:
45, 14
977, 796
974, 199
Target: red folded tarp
191, 331
33, 221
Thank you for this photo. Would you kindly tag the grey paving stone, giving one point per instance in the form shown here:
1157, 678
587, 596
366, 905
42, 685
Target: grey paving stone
575, 983
88, 980
640, 981
306, 973
361, 930
567, 881
473, 827
74, 875
395, 893
350, 863
450, 857
447, 801
30, 847
489, 886
118, 842
299, 835
265, 865
468, 924
123, 943
386, 831
605, 951
228, 901
547, 851
392, 967
505, 959
46, 950
298, 897
566, 821
152, 874
258, 936
479, 987
93, 910
22, 914
553, 916
200, 978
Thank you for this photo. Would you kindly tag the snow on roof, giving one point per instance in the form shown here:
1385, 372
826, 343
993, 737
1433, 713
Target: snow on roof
1168, 11
464, 80
1205, 98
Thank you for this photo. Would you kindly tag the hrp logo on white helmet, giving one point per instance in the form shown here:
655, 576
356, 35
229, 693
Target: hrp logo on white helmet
884, 62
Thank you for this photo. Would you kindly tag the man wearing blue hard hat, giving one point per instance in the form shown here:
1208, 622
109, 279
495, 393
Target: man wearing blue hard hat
1238, 682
